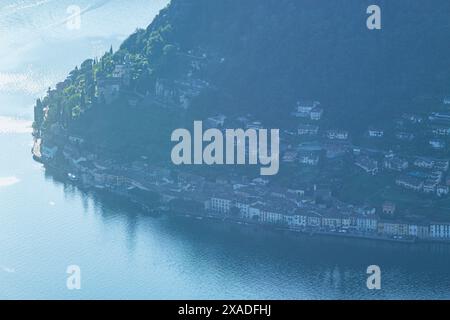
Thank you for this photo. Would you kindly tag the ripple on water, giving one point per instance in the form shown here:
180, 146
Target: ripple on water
8, 181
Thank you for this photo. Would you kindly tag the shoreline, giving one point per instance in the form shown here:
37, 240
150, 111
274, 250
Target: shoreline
212, 216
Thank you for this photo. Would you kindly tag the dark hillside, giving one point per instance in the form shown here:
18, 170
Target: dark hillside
262, 56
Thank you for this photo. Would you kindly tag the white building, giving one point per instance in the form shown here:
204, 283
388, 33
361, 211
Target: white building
268, 215
441, 131
429, 186
310, 159
332, 221
316, 114
307, 129
396, 164
442, 165
440, 230
220, 205
305, 107
376, 133
424, 163
314, 220
367, 224
438, 116
122, 72
442, 191
437, 144
337, 135
420, 231
300, 221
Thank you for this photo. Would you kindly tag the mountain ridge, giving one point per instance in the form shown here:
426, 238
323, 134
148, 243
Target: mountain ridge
264, 56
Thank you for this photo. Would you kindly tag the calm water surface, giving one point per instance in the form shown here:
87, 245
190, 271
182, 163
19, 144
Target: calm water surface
46, 225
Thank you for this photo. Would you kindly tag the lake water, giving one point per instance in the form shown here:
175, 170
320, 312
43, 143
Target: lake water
46, 225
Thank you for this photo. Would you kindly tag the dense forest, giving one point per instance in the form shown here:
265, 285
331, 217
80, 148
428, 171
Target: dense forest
260, 57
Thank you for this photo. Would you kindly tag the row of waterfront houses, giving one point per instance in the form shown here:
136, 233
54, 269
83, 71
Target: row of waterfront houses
290, 215
273, 209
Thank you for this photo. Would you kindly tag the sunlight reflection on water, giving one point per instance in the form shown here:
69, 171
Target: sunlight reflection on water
8, 181
10, 125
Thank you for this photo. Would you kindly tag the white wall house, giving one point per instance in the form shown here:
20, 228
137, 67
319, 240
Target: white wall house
440, 231
316, 114
220, 205
366, 224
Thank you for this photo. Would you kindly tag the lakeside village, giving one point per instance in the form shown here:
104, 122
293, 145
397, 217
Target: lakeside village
312, 208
